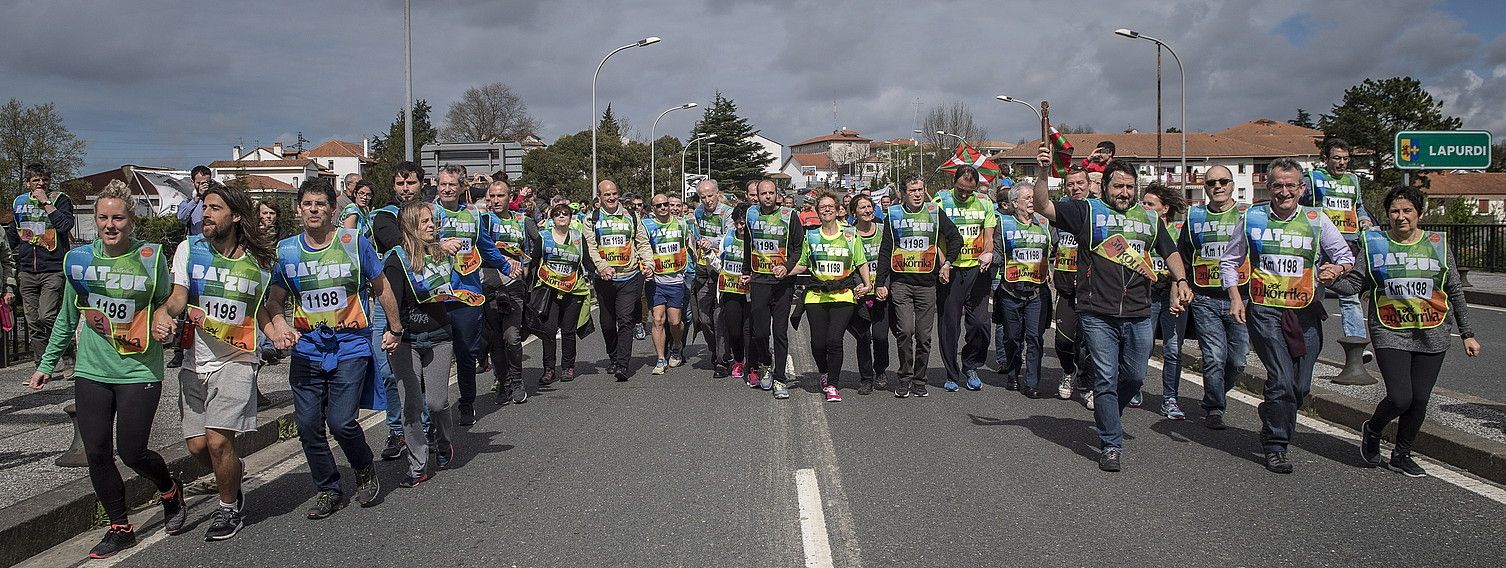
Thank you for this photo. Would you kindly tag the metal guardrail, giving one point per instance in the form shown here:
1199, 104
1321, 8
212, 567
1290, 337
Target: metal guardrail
1476, 247
15, 348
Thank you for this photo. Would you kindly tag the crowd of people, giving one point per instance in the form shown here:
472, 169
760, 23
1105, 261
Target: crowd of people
384, 299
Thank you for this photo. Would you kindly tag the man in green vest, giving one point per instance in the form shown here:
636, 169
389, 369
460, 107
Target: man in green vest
911, 264
1225, 343
966, 295
1285, 243
1022, 291
618, 246
1114, 291
1335, 191
41, 236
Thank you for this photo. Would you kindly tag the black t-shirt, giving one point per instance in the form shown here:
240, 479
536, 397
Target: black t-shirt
1105, 287
416, 317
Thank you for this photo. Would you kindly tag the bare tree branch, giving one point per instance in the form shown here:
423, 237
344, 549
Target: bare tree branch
487, 112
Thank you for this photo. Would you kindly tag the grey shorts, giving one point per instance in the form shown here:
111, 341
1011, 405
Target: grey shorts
223, 400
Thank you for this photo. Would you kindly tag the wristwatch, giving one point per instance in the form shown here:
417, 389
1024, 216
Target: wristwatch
1467, 335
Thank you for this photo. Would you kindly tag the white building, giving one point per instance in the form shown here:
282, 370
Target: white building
811, 170
340, 157
269, 169
775, 150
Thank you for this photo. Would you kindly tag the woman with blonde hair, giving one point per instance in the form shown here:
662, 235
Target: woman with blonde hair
833, 254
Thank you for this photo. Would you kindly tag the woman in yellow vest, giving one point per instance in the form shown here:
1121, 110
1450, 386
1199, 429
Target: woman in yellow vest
833, 254
114, 285
1414, 288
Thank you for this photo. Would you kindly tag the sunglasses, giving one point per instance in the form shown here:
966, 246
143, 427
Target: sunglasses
665, 204
1218, 182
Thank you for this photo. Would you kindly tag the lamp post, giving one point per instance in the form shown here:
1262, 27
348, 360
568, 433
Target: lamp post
682, 159
920, 154
1009, 99
640, 43
945, 133
651, 139
1042, 121
1183, 72
408, 77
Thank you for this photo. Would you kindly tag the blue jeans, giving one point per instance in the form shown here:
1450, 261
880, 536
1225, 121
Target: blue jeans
1117, 350
384, 371
330, 397
1288, 378
465, 331
1353, 316
1172, 328
1225, 344
1021, 331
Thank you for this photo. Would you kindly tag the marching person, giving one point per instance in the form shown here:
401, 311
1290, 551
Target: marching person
713, 220
471, 245
1414, 288
1115, 292
1076, 376
1168, 204
327, 272
912, 264
112, 287
1225, 343
219, 278
563, 268
387, 232
966, 294
869, 325
733, 288
1022, 290
672, 241
1335, 192
1285, 242
833, 254
516, 237
618, 246
41, 237
774, 236
357, 214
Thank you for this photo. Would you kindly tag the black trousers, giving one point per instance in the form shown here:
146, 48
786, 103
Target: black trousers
828, 321
872, 336
769, 308
966, 296
502, 333
704, 316
733, 309
1410, 378
621, 305
564, 312
127, 411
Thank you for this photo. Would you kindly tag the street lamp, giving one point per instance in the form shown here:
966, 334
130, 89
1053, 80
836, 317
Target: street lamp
1137, 35
682, 159
640, 43
1009, 99
408, 80
651, 129
920, 154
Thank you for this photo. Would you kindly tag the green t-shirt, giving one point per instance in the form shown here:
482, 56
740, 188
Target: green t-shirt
96, 357
832, 257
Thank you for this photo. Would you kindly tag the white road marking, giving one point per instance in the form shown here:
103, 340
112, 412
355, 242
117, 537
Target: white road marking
1435, 468
1487, 308
812, 520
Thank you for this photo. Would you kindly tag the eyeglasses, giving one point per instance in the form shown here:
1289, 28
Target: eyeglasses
1218, 182
664, 204
1275, 186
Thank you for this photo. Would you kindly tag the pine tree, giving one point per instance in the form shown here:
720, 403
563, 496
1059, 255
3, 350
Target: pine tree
735, 156
1304, 119
388, 150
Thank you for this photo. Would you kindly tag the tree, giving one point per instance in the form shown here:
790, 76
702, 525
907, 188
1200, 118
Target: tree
489, 112
1497, 158
388, 150
1304, 119
564, 168
735, 156
1369, 117
1065, 128
35, 134
1173, 130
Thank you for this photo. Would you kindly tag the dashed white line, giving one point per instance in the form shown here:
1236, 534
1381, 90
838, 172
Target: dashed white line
812, 520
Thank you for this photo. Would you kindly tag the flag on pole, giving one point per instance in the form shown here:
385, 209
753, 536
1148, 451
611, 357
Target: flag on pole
1061, 153
966, 155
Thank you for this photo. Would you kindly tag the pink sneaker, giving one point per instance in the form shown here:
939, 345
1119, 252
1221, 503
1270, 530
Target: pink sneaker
737, 369
752, 378
831, 394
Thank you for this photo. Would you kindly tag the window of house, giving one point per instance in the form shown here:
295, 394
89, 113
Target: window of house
1484, 207
1242, 167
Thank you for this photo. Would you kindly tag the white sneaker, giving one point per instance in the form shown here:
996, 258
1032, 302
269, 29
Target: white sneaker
1087, 399
675, 360
659, 368
1064, 388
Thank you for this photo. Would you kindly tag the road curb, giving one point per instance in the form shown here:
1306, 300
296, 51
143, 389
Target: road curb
1476, 296
1478, 455
55, 515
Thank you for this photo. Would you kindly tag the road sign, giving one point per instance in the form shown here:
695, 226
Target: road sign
1443, 149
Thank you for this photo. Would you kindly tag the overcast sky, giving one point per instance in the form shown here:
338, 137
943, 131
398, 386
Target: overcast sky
175, 83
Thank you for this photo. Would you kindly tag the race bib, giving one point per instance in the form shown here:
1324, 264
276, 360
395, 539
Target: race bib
767, 246
561, 268
117, 310
667, 248
732, 267
1343, 203
228, 311
465, 247
919, 242
1285, 265
1213, 251
324, 299
29, 230
970, 231
1409, 288
829, 268
613, 240
1029, 255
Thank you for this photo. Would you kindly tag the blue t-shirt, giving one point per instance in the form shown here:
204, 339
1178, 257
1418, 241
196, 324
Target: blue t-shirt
324, 346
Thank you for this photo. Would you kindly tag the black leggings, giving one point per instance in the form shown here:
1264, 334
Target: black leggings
128, 410
769, 308
1409, 384
733, 311
564, 312
828, 324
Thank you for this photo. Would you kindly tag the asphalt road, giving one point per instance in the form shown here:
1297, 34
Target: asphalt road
1477, 376
687, 470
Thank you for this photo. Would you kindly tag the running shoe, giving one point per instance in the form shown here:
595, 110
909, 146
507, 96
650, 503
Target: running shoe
719, 371
325, 505
176, 362
1064, 388
950, 385
675, 360
780, 391
174, 509
1087, 399
1011, 383
865, 387
660, 367
224, 523
411, 481
1030, 392
1403, 463
1171, 409
519, 394
568, 374
1109, 459
975, 383
831, 393
738, 370
548, 377
1215, 422
445, 456
918, 388
367, 487
641, 334
1137, 400
765, 378
901, 389
1370, 450
118, 538
1277, 462
621, 373
465, 414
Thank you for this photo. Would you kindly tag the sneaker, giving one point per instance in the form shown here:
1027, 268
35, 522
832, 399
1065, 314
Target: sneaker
1137, 400
641, 334
1064, 388
780, 391
1011, 383
765, 378
445, 456
950, 385
1277, 462
719, 371
1215, 422
1370, 451
548, 377
174, 509
1109, 459
465, 414
738, 370
621, 373
973, 382
675, 360
176, 362
918, 388
118, 538
865, 387
660, 367
831, 393
882, 383
1403, 463
395, 445
224, 523
1367, 356
325, 505
519, 394
901, 389
367, 487
568, 374
1030, 392
1173, 410
411, 481
1087, 399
